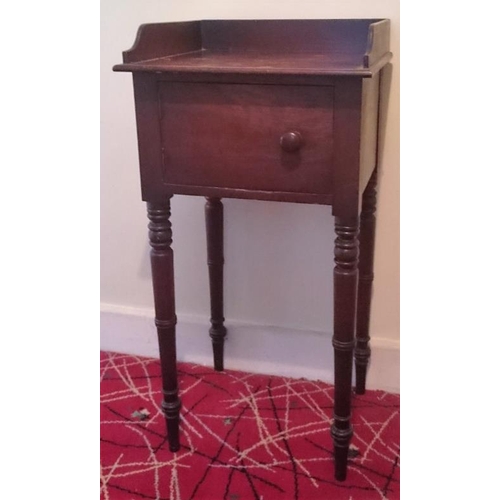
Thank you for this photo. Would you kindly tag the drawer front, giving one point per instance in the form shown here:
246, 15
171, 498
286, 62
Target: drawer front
252, 137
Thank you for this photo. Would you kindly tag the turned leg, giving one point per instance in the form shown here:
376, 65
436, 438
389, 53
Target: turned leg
345, 296
162, 266
366, 249
214, 214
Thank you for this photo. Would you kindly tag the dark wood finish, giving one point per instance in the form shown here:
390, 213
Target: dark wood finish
367, 247
262, 78
250, 194
214, 218
149, 138
307, 47
370, 95
300, 36
345, 285
162, 267
239, 128
347, 152
164, 39
207, 62
264, 110
378, 42
291, 141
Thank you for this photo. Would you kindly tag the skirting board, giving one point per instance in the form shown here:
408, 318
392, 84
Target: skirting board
249, 347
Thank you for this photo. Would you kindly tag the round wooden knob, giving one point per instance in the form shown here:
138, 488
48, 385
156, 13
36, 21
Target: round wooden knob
291, 141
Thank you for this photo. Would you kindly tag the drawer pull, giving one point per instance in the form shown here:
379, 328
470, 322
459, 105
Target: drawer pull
291, 141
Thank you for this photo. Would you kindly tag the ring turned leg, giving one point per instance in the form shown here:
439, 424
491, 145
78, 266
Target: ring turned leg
366, 250
345, 296
162, 266
214, 214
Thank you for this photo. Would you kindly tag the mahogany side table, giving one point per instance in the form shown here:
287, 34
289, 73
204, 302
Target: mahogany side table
263, 110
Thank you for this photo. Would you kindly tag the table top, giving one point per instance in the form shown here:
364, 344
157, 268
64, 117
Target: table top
208, 61
351, 47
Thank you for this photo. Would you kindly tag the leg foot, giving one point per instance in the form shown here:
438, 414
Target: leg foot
162, 267
345, 298
171, 412
214, 215
218, 347
362, 350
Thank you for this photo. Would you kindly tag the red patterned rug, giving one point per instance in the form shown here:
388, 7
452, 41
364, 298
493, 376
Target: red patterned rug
243, 436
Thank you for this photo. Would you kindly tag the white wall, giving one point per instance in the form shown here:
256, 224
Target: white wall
279, 256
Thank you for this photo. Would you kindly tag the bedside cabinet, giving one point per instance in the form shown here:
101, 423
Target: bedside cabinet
263, 110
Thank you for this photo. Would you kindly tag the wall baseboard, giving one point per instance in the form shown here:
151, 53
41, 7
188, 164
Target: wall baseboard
249, 347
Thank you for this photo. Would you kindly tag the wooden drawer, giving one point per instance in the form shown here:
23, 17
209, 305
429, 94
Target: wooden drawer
250, 137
